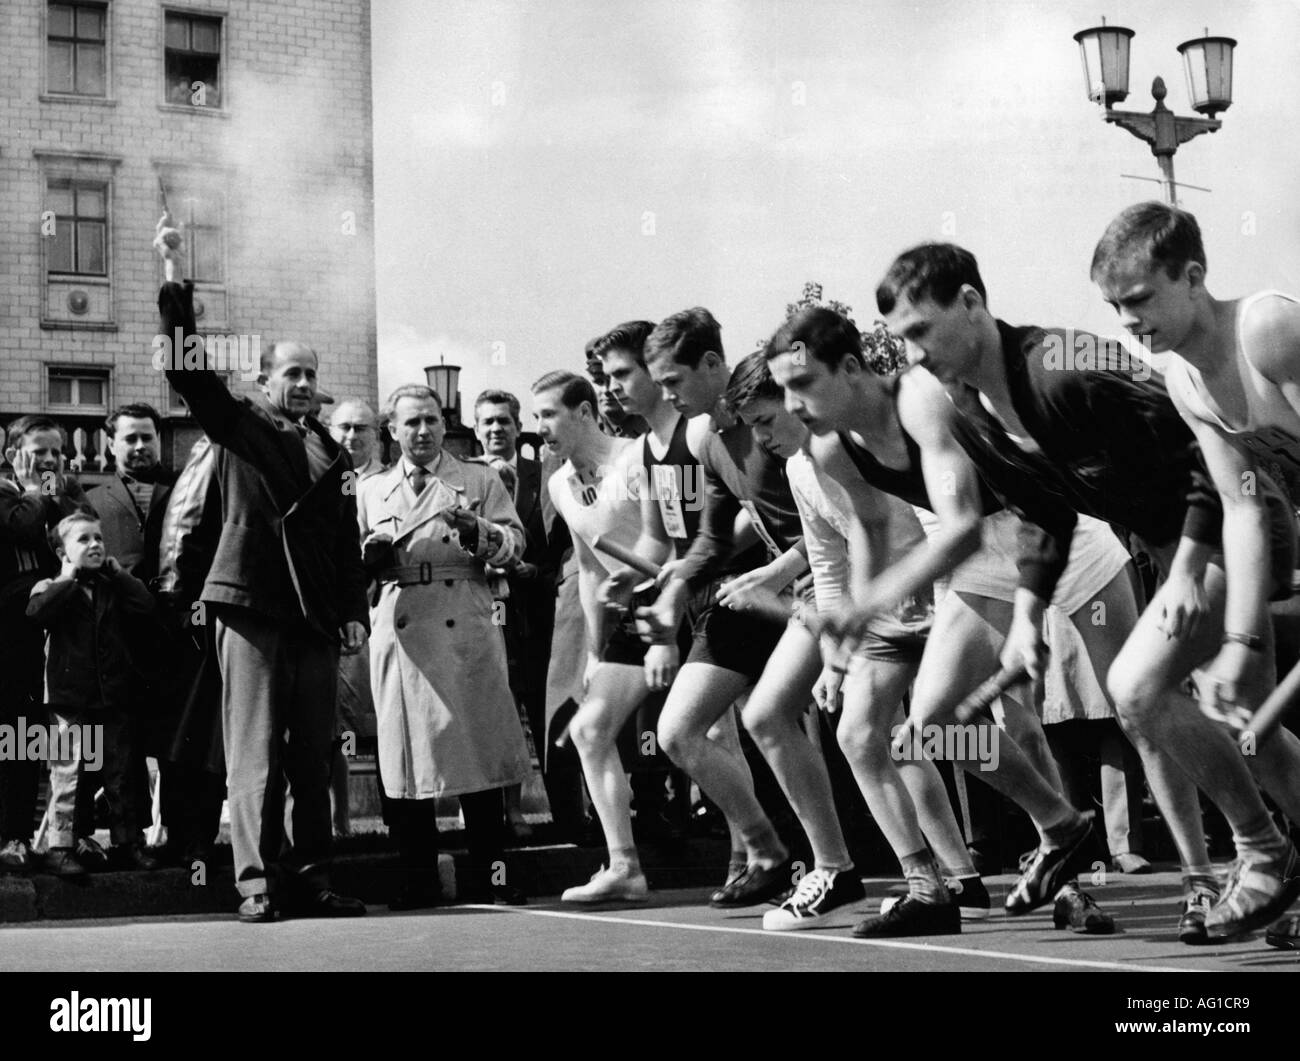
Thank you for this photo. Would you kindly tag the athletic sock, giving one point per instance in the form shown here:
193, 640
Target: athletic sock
1200, 878
761, 839
923, 881
963, 870
827, 867
626, 859
1261, 838
1060, 832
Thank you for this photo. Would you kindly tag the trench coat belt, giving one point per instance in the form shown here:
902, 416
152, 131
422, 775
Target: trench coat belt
425, 573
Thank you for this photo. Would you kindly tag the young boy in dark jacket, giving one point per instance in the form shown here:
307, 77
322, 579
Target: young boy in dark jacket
90, 681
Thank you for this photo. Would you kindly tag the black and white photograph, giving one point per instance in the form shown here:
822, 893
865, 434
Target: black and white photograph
601, 486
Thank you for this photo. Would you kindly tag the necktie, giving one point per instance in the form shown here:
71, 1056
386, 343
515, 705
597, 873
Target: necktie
419, 479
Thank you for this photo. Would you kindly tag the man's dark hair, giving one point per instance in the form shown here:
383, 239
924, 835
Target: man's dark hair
630, 337
1155, 232
136, 411
685, 337
819, 332
574, 390
933, 270
499, 397
26, 425
751, 381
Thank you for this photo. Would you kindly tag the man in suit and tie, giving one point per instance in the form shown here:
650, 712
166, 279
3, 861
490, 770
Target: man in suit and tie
132, 503
285, 593
530, 608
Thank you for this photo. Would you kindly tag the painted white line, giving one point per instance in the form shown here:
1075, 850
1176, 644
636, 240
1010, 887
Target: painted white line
932, 948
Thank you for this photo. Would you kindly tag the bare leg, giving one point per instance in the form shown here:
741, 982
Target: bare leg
771, 716
1173, 788
1144, 682
615, 692
961, 652
699, 697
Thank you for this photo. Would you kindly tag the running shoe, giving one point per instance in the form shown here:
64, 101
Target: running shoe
911, 917
1285, 934
610, 886
1051, 868
756, 885
971, 897
1258, 892
1196, 905
816, 895
1076, 910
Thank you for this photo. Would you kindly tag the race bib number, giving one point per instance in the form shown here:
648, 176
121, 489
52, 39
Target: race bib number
668, 494
584, 493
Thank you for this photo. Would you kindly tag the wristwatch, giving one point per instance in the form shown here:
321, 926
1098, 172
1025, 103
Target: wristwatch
1252, 641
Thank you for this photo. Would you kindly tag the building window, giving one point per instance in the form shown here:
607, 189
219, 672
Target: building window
76, 52
192, 60
199, 209
78, 390
79, 243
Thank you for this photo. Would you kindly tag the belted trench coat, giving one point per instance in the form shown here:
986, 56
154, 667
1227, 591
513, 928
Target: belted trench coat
446, 718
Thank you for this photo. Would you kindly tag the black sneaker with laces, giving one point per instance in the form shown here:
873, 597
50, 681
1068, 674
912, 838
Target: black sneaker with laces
815, 896
971, 897
911, 917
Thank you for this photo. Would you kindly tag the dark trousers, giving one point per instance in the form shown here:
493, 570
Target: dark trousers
191, 807
20, 779
414, 826
118, 777
279, 682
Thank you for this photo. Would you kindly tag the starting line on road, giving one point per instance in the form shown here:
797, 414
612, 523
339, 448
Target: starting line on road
890, 944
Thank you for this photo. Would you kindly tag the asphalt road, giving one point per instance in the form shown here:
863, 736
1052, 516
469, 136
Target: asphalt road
675, 932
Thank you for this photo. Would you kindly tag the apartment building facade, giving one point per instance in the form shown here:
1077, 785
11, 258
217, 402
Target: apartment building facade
250, 122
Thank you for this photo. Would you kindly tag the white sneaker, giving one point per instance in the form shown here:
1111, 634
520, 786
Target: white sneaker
608, 885
817, 894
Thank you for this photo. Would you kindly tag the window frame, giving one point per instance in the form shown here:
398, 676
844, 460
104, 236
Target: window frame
75, 184
50, 94
77, 373
215, 14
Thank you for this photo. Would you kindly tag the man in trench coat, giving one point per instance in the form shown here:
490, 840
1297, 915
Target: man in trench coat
446, 717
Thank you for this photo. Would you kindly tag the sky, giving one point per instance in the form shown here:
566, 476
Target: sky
546, 170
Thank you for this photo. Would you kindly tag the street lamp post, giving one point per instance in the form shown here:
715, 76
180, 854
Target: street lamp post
1208, 60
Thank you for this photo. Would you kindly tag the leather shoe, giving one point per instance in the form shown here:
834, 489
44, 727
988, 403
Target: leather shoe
257, 910
1051, 868
326, 903
754, 886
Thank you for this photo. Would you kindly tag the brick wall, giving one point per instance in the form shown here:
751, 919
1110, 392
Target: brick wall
290, 146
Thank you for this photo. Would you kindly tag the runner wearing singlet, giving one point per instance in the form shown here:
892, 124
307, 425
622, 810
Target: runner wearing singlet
903, 795
670, 518
897, 439
595, 493
1107, 441
735, 649
1234, 376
